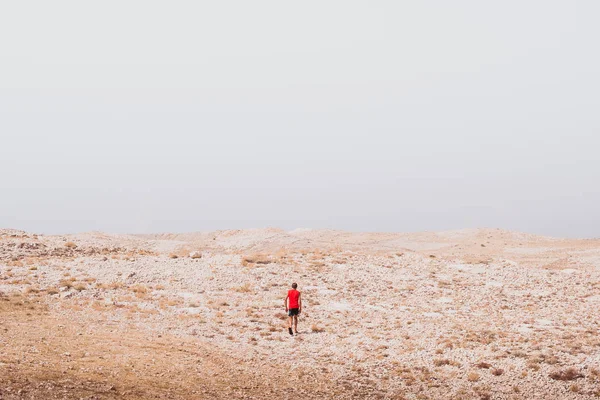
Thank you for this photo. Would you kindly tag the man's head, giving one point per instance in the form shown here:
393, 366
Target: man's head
294, 285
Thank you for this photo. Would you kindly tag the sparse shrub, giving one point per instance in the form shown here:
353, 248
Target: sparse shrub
551, 360
173, 256
70, 245
245, 288
139, 289
473, 377
317, 329
533, 364
66, 283
80, 287
575, 388
52, 291
195, 255
569, 374
440, 362
483, 365
497, 371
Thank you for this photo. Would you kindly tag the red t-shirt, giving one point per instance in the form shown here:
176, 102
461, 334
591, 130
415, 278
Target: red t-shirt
293, 295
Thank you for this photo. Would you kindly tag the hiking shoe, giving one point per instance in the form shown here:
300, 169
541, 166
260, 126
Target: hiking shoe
290, 331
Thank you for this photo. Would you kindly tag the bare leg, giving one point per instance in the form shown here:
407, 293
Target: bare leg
296, 323
290, 322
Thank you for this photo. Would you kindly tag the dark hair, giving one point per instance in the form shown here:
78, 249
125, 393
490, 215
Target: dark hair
294, 285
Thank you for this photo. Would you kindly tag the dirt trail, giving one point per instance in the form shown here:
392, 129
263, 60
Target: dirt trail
47, 356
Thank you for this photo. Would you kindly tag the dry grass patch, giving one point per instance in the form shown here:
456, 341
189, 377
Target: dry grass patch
317, 329
476, 260
282, 316
31, 289
116, 285
140, 291
256, 259
483, 337
14, 263
171, 302
317, 266
70, 245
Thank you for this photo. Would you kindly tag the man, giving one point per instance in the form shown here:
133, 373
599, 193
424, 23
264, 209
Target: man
293, 306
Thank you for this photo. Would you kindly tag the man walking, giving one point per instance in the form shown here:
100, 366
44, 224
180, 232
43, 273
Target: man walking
293, 306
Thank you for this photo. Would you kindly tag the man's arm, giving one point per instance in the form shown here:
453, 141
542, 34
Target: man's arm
285, 303
299, 303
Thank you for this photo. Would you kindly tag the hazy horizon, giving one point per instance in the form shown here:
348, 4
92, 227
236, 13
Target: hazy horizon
144, 117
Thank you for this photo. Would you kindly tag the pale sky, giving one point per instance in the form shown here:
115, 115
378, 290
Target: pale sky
152, 116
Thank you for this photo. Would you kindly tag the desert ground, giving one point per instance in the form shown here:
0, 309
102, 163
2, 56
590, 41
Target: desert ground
471, 314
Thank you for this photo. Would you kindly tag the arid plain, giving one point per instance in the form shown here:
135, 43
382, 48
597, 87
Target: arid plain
472, 314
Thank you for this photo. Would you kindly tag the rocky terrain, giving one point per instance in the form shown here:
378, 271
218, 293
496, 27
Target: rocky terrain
473, 314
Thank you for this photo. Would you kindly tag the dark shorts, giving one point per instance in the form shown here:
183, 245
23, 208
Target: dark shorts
293, 311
